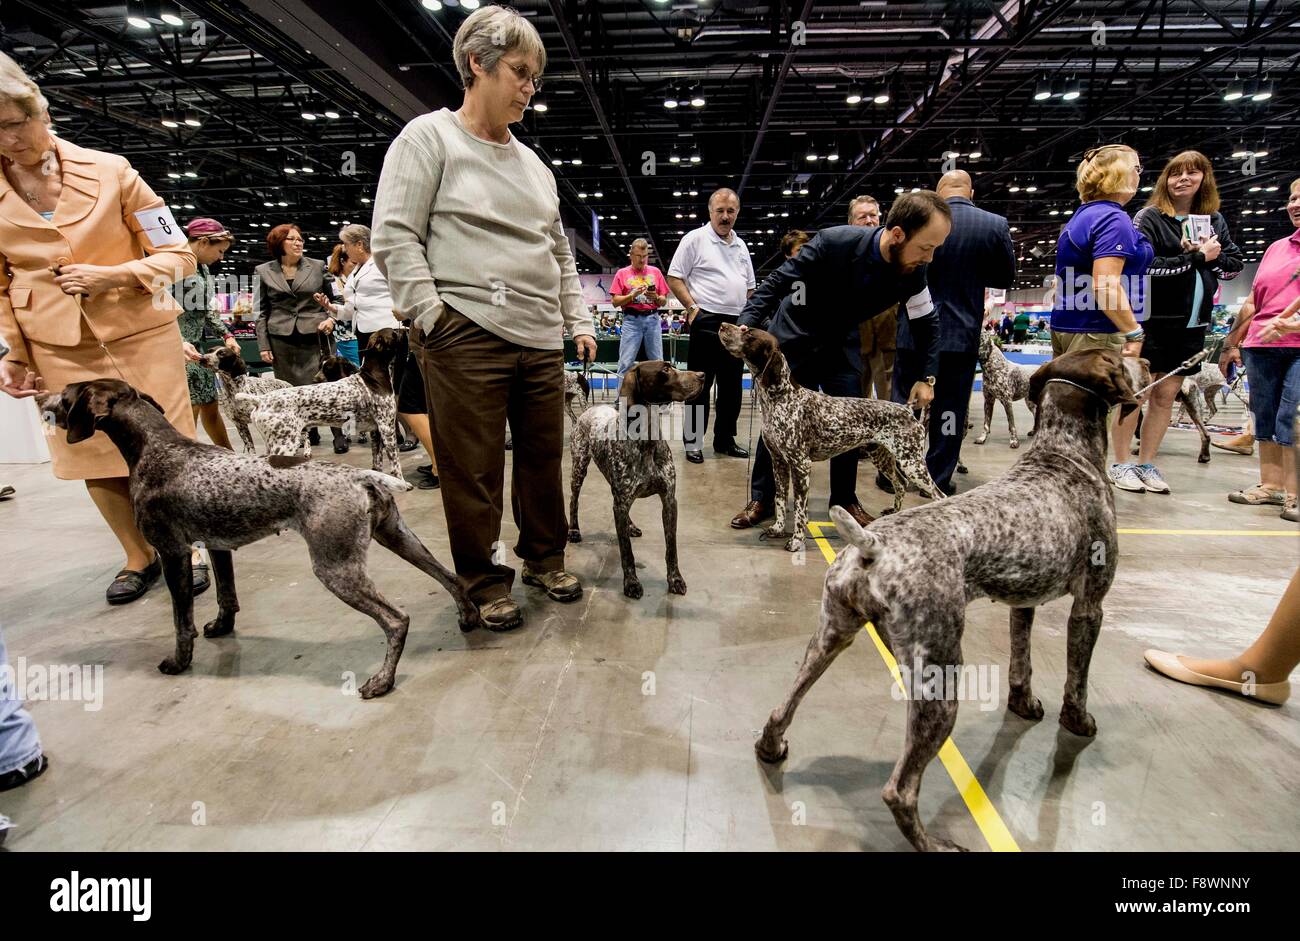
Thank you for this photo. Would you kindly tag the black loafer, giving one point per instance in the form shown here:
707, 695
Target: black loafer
313, 437
730, 450
695, 457
428, 482
201, 579
28, 772
425, 469
408, 445
130, 585
341, 446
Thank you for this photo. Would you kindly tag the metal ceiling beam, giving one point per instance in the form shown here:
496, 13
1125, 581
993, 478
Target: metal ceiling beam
575, 54
786, 63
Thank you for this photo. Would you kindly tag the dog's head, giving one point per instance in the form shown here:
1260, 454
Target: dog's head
987, 338
657, 383
334, 368
760, 351
1108, 375
225, 360
83, 406
383, 343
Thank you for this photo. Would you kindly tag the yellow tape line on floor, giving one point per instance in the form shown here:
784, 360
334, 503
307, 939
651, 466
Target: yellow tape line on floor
977, 802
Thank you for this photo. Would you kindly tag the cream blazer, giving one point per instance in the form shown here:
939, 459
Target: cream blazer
106, 215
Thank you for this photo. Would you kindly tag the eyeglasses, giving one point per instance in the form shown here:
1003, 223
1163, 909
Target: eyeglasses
13, 127
523, 73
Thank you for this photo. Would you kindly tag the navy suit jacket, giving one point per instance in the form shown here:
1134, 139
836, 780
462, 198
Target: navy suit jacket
976, 254
815, 301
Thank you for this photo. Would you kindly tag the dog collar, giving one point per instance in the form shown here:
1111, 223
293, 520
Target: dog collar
1084, 388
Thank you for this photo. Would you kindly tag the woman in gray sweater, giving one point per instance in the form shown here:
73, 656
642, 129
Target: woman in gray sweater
467, 229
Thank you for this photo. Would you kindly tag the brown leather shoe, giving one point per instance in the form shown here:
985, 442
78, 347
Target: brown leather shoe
860, 515
754, 513
501, 614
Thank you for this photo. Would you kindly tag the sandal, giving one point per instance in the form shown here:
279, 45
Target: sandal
1258, 495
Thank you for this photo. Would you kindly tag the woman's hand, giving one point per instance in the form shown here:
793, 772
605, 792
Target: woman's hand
1210, 248
268, 357
190, 352
326, 325
320, 298
1231, 356
1278, 327
88, 279
19, 381
1132, 348
233, 345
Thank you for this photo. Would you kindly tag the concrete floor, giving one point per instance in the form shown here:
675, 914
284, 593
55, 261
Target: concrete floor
614, 724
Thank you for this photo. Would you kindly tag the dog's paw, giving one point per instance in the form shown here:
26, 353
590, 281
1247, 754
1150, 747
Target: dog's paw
940, 845
773, 532
981, 439
962, 468
575, 536
771, 753
1078, 722
1202, 459
171, 667
218, 628
375, 686
633, 530
467, 624
632, 588
676, 584
794, 544
1026, 706
1015, 443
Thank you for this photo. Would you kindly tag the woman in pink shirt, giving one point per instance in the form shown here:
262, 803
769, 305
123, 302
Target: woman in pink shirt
1271, 350
640, 290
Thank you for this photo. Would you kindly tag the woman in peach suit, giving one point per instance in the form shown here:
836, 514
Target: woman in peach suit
87, 251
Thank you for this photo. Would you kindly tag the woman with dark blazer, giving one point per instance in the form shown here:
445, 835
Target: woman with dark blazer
1184, 277
293, 332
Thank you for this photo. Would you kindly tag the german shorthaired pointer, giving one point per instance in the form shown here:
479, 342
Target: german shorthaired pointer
635, 459
185, 492
801, 426
285, 415
1043, 529
1003, 381
1193, 402
577, 394
233, 379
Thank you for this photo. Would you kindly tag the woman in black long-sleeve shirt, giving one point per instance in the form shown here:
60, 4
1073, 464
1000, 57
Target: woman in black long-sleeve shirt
1184, 276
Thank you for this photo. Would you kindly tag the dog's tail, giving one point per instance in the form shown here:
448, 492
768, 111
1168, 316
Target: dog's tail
867, 542
387, 481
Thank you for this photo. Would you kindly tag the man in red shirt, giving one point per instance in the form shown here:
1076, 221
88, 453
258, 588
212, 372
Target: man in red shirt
639, 290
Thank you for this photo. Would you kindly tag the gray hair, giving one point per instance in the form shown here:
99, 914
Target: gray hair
640, 243
491, 32
15, 86
723, 192
356, 233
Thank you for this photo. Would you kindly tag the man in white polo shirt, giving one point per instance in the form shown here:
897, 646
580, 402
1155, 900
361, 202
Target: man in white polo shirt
713, 275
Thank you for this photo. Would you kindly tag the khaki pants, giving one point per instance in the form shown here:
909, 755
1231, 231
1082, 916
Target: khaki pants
879, 343
1063, 343
475, 382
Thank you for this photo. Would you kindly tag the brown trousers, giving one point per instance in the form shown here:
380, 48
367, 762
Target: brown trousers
476, 382
879, 342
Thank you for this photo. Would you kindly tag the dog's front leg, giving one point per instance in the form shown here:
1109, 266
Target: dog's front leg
1011, 422
836, 631
1021, 699
623, 524
668, 497
1084, 626
388, 433
988, 414
223, 568
800, 480
781, 475
178, 569
580, 455
246, 436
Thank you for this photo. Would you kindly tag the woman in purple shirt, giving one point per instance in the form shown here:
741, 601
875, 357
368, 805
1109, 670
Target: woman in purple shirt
1101, 261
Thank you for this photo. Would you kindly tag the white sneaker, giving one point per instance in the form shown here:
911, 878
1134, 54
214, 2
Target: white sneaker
1149, 474
1125, 477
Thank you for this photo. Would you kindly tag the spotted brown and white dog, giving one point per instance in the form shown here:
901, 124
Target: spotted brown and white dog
184, 492
1003, 381
577, 394
234, 379
801, 426
1044, 529
636, 460
285, 415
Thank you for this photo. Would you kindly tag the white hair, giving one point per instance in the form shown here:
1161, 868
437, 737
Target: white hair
488, 34
356, 233
15, 86
641, 243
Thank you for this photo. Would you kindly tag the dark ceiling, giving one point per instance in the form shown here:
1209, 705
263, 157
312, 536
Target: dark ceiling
773, 77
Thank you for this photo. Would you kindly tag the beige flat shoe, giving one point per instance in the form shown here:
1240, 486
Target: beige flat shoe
1171, 665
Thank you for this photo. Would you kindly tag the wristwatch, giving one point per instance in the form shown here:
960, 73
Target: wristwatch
693, 307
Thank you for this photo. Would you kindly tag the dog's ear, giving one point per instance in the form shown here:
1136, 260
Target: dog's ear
91, 401
630, 387
150, 399
1118, 387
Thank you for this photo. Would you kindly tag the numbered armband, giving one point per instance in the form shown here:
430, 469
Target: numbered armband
160, 227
